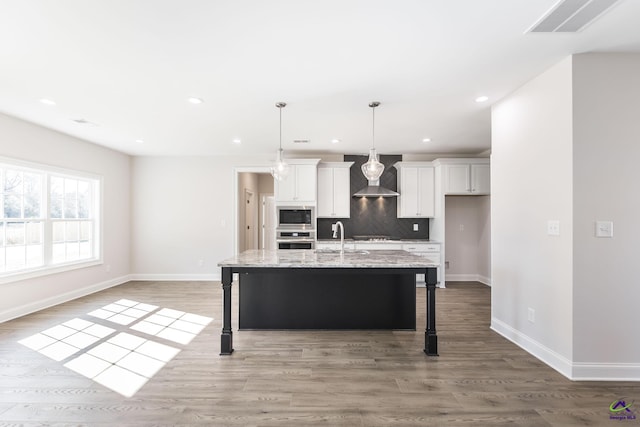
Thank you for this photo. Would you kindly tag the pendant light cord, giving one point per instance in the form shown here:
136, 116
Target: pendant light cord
373, 128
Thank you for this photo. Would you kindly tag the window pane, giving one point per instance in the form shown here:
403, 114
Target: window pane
70, 206
12, 206
15, 233
58, 231
56, 208
1, 234
58, 253
85, 231
57, 185
73, 251
73, 232
84, 199
32, 184
13, 182
15, 258
34, 233
85, 249
31, 206
34, 256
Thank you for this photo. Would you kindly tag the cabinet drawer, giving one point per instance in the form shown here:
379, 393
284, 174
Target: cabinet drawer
379, 246
421, 247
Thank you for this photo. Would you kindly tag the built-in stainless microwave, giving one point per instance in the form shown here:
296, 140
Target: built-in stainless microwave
300, 217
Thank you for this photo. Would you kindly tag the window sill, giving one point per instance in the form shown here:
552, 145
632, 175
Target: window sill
45, 271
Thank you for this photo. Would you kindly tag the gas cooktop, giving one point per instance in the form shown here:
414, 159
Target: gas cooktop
373, 237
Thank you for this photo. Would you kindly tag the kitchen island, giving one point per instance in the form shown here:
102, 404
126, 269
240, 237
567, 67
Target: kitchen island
327, 289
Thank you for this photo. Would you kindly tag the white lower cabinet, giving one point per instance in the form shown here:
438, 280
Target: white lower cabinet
427, 250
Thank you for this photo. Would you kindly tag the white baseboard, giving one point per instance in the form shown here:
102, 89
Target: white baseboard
575, 371
32, 307
606, 371
176, 277
536, 349
468, 278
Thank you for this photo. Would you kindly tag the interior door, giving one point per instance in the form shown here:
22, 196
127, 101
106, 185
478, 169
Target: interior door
268, 240
251, 220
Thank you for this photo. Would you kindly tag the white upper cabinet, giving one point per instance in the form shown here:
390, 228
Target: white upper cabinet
416, 185
301, 184
334, 190
470, 177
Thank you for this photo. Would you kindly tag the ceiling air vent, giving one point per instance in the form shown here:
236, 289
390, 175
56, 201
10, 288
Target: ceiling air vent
301, 141
570, 16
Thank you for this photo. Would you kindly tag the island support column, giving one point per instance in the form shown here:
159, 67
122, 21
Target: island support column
226, 339
430, 337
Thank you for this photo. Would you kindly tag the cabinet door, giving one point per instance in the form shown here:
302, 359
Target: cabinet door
286, 189
426, 192
306, 179
341, 192
409, 192
480, 179
458, 179
325, 192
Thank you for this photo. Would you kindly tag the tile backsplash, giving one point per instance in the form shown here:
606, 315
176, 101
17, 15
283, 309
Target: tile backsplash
375, 216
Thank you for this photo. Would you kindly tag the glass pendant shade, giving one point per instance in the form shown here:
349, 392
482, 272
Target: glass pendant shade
280, 170
372, 169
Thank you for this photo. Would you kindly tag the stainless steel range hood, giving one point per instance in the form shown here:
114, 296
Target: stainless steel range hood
374, 190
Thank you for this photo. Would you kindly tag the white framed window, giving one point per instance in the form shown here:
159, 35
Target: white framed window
49, 219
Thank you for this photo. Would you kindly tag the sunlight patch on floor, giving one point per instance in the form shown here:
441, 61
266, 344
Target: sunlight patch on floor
122, 362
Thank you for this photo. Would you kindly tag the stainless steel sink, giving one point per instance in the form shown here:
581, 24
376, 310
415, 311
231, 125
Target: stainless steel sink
346, 251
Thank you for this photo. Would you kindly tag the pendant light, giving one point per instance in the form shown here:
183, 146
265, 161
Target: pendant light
372, 169
280, 171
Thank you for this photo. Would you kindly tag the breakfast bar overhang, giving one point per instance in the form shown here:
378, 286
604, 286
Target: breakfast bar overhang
316, 289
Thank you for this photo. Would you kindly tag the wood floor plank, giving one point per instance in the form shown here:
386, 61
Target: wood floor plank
295, 378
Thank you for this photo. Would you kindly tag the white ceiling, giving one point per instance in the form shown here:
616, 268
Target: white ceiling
128, 67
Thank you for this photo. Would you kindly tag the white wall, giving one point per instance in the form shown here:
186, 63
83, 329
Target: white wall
531, 178
182, 212
606, 159
565, 146
33, 143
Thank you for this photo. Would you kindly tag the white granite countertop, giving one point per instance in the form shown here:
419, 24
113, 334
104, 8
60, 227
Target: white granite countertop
318, 258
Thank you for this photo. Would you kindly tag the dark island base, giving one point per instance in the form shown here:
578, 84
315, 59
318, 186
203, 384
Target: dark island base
305, 299
430, 336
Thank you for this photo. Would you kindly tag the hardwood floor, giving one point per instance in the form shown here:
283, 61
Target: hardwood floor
330, 378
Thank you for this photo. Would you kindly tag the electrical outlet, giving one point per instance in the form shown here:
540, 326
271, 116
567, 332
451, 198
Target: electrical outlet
604, 228
333, 227
553, 227
531, 315
461, 227
446, 265
107, 268
200, 263
415, 227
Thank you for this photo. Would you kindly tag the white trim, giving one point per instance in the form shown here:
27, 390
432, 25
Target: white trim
468, 278
213, 277
533, 347
606, 371
575, 371
59, 299
45, 271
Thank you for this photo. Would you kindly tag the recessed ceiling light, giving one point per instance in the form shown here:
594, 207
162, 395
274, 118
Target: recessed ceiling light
426, 139
140, 141
482, 98
194, 100
84, 122
335, 141
237, 141
46, 101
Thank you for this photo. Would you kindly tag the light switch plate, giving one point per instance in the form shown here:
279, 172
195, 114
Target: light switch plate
553, 227
604, 228
415, 227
